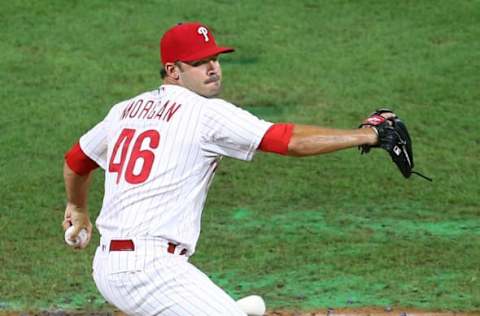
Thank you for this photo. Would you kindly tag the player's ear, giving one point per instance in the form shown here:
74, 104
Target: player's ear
172, 71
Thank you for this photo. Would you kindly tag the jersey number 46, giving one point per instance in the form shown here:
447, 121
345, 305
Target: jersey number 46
135, 154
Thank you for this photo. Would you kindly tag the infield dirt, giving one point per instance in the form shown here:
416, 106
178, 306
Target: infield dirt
322, 312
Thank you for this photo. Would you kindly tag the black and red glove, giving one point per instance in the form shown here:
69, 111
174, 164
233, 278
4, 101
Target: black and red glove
393, 136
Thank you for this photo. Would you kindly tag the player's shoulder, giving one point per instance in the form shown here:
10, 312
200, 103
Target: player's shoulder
218, 106
219, 102
182, 94
147, 95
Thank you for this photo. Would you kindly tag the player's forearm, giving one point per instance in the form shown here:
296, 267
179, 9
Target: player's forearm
76, 187
312, 140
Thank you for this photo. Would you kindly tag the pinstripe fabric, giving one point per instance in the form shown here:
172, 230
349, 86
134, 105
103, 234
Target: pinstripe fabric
159, 283
193, 139
160, 151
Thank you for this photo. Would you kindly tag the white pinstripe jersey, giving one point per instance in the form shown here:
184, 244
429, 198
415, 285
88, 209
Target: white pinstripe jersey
159, 151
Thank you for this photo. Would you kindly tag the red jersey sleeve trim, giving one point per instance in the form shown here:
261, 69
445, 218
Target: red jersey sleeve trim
80, 163
276, 138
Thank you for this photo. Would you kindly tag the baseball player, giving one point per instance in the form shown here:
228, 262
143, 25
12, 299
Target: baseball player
159, 151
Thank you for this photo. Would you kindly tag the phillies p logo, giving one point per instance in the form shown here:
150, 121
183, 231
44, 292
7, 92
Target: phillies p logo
203, 31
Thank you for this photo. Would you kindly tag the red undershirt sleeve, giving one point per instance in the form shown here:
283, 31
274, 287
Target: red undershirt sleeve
276, 138
80, 163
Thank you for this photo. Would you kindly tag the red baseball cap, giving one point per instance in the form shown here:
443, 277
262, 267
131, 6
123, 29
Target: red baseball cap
189, 42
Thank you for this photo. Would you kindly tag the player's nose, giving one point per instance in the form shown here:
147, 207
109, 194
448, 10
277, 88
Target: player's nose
213, 67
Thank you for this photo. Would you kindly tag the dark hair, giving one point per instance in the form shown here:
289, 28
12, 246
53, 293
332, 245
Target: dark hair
163, 73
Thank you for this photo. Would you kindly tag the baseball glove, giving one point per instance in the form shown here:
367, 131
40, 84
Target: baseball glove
394, 138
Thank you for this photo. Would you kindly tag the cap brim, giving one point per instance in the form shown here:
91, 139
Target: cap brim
212, 51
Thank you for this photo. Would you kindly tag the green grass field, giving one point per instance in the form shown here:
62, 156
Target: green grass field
340, 230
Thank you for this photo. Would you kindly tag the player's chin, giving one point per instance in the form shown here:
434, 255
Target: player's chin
212, 89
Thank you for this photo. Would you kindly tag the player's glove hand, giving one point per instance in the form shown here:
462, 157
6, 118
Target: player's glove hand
393, 136
381, 121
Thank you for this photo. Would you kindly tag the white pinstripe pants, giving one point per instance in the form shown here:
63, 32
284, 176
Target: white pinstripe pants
151, 281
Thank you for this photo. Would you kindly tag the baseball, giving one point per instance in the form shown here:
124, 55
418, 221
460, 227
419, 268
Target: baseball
79, 241
252, 305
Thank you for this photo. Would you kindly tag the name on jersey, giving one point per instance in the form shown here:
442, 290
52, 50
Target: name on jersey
150, 110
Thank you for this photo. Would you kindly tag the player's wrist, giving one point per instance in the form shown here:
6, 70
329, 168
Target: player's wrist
371, 136
77, 207
374, 136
